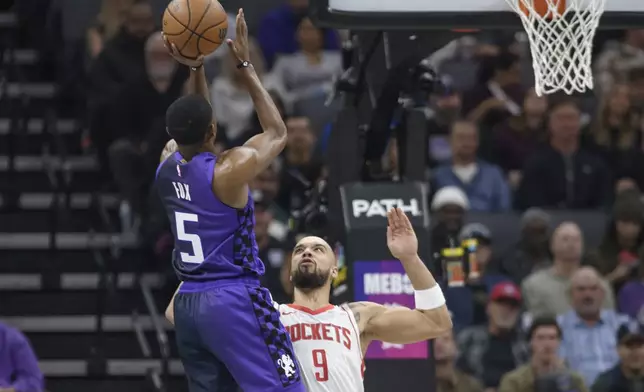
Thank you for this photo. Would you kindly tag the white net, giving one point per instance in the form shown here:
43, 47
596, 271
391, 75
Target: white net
561, 39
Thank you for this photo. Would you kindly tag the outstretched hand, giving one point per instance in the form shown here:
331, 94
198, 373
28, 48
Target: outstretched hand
174, 52
239, 47
401, 238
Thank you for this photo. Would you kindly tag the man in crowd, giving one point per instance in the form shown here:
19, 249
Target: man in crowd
18, 363
531, 253
468, 303
301, 167
589, 345
448, 377
546, 371
546, 290
628, 374
576, 178
483, 182
449, 206
487, 352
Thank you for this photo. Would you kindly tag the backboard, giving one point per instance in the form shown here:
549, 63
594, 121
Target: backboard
449, 14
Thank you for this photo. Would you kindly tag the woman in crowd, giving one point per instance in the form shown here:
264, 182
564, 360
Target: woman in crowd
616, 135
231, 103
618, 255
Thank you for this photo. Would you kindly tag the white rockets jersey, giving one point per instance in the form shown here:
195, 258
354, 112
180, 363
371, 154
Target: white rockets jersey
327, 347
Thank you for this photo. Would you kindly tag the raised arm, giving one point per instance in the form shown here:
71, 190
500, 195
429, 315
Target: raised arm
402, 325
242, 164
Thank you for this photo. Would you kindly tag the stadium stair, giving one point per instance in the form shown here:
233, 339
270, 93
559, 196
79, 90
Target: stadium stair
54, 240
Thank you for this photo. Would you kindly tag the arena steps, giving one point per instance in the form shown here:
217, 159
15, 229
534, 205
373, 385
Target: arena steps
52, 293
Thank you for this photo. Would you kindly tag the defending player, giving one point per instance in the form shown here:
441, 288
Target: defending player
330, 341
228, 330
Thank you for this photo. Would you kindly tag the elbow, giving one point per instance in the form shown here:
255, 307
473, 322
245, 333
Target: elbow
444, 323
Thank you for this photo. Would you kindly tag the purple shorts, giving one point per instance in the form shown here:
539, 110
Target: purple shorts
229, 335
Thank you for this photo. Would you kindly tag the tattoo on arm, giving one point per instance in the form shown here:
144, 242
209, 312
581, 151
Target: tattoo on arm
355, 308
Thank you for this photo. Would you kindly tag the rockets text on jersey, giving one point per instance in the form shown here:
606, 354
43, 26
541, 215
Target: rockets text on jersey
327, 346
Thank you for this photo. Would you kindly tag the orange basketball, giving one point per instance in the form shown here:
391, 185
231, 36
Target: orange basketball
541, 8
196, 27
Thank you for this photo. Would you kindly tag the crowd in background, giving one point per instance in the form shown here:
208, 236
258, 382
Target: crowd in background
553, 311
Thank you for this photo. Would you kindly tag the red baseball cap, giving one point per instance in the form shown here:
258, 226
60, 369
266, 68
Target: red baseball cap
507, 291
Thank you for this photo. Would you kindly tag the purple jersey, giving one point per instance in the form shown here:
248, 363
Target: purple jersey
212, 241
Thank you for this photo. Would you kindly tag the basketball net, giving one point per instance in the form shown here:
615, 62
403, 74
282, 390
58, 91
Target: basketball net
561, 40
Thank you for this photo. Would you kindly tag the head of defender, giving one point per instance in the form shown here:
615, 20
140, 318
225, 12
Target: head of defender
313, 264
190, 122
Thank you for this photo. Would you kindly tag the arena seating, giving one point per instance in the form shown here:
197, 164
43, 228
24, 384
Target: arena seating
55, 237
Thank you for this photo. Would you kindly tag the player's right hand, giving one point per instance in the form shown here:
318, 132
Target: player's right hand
239, 46
174, 52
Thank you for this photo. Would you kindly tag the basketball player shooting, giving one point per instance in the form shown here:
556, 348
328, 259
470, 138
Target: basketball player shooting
330, 341
228, 331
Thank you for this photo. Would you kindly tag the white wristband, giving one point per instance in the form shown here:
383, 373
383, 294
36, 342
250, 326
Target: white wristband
428, 299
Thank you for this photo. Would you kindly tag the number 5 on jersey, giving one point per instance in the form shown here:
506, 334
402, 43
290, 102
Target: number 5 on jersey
196, 256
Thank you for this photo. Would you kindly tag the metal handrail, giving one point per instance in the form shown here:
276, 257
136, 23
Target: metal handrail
161, 336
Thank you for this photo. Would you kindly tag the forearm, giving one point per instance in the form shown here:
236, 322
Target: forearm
198, 84
268, 114
419, 275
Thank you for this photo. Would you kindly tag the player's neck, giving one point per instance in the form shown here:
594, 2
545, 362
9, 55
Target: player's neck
188, 152
314, 299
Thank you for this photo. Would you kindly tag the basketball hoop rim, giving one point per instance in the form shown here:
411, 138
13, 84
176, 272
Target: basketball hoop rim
322, 16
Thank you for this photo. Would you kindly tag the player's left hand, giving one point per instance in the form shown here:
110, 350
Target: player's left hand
174, 52
401, 238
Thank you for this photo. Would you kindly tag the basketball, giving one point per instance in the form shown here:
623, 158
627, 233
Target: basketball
195, 27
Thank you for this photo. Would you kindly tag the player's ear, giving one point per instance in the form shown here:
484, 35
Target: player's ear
334, 272
212, 132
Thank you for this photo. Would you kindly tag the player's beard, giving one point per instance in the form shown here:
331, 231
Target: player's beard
304, 280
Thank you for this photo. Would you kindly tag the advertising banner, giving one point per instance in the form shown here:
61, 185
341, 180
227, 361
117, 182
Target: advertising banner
385, 282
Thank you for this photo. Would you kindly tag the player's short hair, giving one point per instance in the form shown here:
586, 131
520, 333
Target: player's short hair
188, 119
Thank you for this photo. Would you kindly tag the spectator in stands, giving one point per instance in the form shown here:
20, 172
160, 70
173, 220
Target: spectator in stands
546, 372
489, 351
254, 127
309, 72
18, 363
613, 64
576, 178
636, 84
589, 344
107, 25
448, 377
483, 182
519, 136
266, 186
531, 253
278, 31
444, 107
119, 65
301, 167
499, 93
546, 291
271, 251
628, 374
616, 134
618, 255
140, 119
631, 296
231, 103
390, 160
449, 206
468, 303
